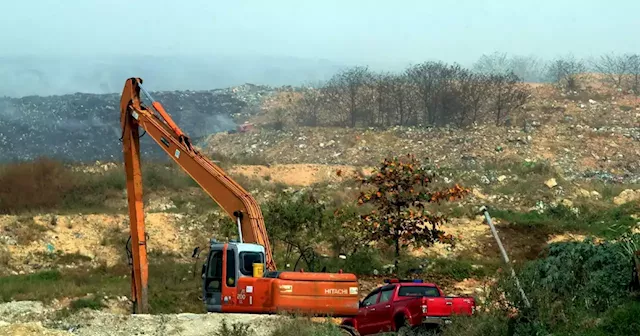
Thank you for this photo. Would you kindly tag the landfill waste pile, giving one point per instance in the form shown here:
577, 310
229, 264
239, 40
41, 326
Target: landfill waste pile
86, 127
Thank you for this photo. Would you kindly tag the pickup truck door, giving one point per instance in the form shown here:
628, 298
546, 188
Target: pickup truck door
382, 312
366, 319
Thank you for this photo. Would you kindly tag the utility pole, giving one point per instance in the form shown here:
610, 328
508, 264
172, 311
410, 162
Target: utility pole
505, 257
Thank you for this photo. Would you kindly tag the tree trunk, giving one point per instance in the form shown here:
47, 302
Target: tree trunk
397, 254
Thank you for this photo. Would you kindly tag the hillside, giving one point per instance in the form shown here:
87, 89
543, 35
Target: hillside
566, 168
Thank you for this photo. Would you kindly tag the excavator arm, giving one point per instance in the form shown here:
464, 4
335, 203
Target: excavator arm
227, 193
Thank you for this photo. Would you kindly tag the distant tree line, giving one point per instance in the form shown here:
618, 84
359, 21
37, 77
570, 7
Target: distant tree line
492, 91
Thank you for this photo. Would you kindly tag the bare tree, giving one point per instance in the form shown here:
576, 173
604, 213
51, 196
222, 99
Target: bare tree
309, 107
349, 91
564, 71
474, 89
449, 98
634, 73
508, 95
422, 76
527, 68
614, 67
496, 63
383, 98
402, 98
434, 84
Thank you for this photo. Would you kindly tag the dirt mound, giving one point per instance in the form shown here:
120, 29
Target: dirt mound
298, 174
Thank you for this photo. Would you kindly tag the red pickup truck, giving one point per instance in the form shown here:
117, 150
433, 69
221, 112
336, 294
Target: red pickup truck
406, 304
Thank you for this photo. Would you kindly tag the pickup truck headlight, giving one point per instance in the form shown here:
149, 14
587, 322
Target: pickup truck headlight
424, 309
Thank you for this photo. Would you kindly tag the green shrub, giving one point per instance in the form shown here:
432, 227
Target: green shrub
576, 288
5, 257
92, 302
236, 329
572, 284
303, 326
582, 274
457, 269
602, 222
621, 320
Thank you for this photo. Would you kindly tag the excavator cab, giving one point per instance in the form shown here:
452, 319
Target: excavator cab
235, 281
225, 264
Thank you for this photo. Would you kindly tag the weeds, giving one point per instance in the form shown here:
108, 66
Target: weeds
92, 302
236, 329
5, 257
304, 326
25, 230
602, 222
171, 288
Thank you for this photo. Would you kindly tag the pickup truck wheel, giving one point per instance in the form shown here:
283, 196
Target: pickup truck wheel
348, 331
404, 328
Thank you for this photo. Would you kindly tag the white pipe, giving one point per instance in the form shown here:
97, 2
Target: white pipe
239, 229
505, 257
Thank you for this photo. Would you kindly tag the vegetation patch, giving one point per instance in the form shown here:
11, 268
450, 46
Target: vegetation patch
25, 230
172, 286
91, 302
587, 219
576, 288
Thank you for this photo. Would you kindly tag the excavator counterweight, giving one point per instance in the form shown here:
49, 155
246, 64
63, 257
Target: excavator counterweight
231, 282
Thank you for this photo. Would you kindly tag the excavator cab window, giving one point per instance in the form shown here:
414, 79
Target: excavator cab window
247, 259
231, 268
214, 271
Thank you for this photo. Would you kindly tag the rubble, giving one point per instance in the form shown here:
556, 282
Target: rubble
551, 183
626, 196
40, 321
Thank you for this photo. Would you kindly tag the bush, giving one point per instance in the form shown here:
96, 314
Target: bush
457, 269
5, 257
91, 302
570, 288
302, 326
25, 230
577, 288
362, 262
36, 185
236, 329
580, 274
603, 222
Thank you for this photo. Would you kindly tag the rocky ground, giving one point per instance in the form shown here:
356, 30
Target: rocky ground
32, 318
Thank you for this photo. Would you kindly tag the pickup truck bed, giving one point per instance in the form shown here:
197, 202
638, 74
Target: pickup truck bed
406, 304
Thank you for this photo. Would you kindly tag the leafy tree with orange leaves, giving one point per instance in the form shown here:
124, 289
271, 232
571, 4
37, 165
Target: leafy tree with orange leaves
399, 192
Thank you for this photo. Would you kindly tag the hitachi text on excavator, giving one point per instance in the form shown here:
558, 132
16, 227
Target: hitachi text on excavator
234, 275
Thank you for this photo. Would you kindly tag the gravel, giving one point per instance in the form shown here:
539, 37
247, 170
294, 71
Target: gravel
32, 318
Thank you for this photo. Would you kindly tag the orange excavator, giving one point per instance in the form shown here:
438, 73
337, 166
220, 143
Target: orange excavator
234, 275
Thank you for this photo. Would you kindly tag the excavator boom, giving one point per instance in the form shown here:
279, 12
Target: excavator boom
231, 197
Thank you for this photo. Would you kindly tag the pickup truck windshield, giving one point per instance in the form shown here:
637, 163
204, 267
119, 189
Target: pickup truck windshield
418, 291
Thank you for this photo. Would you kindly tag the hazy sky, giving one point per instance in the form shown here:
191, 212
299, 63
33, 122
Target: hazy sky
371, 32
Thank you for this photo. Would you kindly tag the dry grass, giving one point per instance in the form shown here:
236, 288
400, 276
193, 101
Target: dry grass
25, 231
